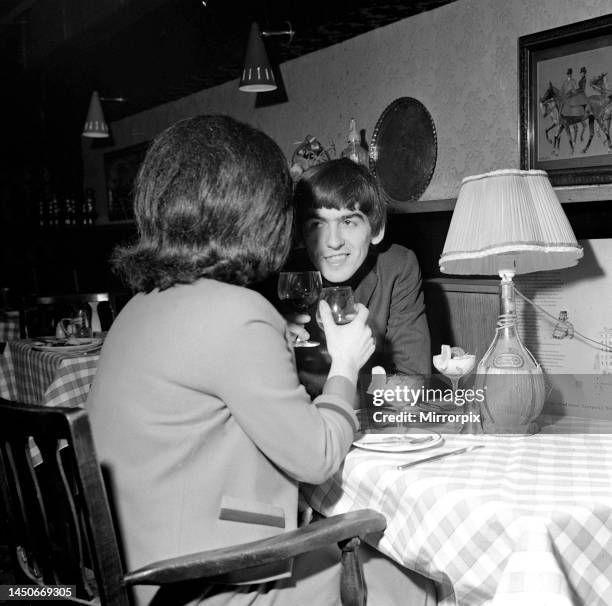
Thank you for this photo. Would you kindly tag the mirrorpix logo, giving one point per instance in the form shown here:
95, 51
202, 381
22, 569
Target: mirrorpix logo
404, 395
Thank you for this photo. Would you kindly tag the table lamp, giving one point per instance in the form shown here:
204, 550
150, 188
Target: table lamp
508, 222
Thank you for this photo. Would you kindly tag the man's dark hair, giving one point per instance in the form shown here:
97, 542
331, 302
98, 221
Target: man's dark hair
212, 201
340, 184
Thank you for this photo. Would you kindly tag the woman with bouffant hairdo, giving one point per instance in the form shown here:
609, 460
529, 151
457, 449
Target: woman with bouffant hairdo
196, 407
212, 201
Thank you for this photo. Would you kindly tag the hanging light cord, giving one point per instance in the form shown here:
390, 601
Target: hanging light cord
541, 310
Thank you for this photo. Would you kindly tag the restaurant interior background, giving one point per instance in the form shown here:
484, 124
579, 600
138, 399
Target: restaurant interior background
172, 59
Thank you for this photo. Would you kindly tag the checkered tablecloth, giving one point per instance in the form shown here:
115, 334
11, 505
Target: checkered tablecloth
9, 325
45, 378
523, 521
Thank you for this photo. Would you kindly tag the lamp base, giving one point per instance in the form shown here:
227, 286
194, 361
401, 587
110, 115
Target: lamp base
511, 380
513, 399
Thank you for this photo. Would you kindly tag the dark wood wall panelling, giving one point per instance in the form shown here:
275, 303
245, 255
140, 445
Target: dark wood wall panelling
425, 232
77, 260
46, 260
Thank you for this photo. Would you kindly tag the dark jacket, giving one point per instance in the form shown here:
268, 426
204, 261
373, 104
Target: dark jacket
391, 289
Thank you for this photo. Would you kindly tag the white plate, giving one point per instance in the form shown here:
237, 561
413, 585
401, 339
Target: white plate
398, 442
64, 345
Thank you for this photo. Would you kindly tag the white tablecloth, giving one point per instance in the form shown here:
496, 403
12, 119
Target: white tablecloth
523, 521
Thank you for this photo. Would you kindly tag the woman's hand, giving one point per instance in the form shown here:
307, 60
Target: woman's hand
295, 325
349, 345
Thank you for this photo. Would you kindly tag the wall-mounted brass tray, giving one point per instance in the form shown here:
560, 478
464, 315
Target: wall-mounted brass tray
403, 150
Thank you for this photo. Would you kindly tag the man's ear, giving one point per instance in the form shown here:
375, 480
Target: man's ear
377, 239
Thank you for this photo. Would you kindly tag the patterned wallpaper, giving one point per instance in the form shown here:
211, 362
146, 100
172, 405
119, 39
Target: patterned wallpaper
459, 60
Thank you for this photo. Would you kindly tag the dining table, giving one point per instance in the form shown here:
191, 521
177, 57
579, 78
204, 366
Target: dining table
9, 325
49, 378
521, 520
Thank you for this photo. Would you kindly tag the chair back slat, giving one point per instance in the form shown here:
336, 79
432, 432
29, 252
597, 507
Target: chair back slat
59, 520
24, 511
58, 488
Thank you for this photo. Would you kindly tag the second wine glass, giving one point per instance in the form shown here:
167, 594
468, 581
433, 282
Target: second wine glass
341, 301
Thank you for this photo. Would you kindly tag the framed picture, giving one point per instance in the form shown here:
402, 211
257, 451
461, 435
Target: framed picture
121, 168
565, 98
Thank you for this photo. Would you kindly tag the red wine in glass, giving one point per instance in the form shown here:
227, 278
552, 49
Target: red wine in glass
303, 301
300, 289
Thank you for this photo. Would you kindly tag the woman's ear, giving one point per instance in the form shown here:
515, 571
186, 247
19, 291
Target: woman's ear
377, 239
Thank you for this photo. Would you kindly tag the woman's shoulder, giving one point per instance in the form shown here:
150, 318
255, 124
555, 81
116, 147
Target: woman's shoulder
207, 303
236, 301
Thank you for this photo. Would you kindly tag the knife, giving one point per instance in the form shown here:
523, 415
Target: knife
440, 456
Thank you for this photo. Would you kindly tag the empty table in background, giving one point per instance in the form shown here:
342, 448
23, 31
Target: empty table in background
46, 378
9, 325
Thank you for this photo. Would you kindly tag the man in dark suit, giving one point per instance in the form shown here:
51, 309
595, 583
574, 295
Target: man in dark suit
341, 224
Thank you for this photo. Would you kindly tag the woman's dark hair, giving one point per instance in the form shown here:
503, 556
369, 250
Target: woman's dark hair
340, 184
212, 201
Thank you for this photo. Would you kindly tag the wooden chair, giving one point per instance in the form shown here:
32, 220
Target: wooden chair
39, 314
61, 530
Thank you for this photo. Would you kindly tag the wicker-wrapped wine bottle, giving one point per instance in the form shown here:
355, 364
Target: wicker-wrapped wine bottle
511, 379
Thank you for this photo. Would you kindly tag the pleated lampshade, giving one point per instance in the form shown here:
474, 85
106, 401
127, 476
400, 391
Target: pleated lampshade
508, 219
257, 75
95, 124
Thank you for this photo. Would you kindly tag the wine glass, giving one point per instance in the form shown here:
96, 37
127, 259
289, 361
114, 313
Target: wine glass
341, 301
301, 290
454, 364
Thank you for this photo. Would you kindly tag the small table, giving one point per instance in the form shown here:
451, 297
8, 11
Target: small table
46, 378
523, 520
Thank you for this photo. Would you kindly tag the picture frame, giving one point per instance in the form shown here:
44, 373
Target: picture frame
563, 88
121, 167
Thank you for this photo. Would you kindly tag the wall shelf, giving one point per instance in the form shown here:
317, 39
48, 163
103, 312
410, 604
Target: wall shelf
567, 195
422, 206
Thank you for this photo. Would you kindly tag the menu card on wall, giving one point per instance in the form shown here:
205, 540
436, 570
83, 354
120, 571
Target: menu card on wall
579, 300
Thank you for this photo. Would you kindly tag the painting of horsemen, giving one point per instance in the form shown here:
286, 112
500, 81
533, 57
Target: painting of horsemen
578, 108
565, 84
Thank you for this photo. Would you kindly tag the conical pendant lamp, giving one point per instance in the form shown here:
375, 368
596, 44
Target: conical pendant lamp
95, 124
257, 75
